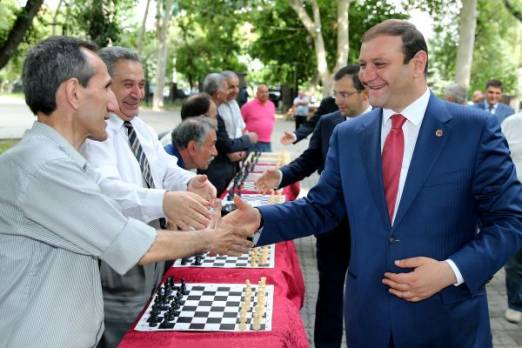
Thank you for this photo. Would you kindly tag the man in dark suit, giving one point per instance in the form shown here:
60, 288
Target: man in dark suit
416, 176
223, 168
491, 102
327, 106
333, 249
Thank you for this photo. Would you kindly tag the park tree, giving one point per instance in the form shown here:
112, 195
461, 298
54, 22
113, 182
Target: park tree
14, 36
287, 47
165, 9
494, 53
466, 43
209, 38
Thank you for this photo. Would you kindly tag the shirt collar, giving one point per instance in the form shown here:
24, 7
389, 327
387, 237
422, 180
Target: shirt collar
41, 129
414, 112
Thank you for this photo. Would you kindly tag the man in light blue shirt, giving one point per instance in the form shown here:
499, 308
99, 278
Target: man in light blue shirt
55, 224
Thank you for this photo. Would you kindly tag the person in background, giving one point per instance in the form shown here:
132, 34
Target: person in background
302, 106
327, 106
455, 93
230, 150
492, 102
333, 248
512, 129
259, 117
477, 97
194, 143
229, 109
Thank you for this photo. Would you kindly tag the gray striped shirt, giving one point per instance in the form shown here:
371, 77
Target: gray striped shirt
54, 225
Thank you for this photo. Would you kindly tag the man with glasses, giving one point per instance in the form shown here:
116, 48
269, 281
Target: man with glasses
332, 256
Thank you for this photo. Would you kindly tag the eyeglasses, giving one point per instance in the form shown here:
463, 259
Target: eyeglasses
343, 95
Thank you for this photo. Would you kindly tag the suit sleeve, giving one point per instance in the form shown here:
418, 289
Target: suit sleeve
307, 163
226, 145
319, 212
498, 199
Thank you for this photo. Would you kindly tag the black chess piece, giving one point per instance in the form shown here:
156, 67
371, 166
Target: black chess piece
183, 288
166, 325
185, 260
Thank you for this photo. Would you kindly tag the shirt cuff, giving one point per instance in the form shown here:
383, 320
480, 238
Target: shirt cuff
129, 246
455, 269
280, 178
294, 136
257, 235
153, 208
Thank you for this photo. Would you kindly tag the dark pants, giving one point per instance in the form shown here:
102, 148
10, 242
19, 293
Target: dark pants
514, 281
261, 146
333, 258
299, 119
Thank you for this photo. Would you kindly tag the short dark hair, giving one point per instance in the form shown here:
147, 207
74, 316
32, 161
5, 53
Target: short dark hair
111, 55
412, 39
494, 83
195, 105
195, 128
48, 64
353, 71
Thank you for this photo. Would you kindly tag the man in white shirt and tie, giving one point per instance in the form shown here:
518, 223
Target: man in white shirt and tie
148, 184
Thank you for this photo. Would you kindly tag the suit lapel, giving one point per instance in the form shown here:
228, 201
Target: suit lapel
371, 157
434, 131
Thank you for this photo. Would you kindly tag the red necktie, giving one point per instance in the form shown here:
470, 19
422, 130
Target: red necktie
392, 154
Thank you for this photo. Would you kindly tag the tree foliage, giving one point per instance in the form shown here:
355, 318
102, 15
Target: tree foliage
493, 56
208, 38
284, 45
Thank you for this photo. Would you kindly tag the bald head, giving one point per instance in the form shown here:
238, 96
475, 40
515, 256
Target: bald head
262, 93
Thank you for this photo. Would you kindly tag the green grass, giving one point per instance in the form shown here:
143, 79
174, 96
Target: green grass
5, 144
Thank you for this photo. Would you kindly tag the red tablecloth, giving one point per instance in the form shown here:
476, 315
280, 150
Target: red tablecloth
287, 326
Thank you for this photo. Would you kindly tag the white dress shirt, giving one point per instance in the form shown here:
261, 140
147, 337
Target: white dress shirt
414, 114
120, 173
231, 114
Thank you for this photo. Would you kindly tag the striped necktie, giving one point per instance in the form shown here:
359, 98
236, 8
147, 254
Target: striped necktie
140, 155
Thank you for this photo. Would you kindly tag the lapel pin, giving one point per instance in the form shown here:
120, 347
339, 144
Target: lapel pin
439, 132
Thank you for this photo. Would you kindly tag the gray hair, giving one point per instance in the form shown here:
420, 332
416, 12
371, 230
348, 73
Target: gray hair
111, 55
229, 75
213, 82
48, 64
456, 92
194, 128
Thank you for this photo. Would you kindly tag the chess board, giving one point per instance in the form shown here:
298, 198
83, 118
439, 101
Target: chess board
204, 307
224, 261
256, 200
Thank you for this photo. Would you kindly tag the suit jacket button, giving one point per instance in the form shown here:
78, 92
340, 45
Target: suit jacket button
393, 240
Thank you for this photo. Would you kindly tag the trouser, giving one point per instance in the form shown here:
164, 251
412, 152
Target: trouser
299, 119
261, 146
514, 281
333, 258
124, 297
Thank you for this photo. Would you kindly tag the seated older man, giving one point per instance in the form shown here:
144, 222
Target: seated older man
194, 143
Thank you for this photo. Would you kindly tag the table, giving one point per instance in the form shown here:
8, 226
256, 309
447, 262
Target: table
287, 326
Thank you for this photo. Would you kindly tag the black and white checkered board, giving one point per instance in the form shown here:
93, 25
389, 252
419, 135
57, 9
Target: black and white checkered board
223, 261
210, 307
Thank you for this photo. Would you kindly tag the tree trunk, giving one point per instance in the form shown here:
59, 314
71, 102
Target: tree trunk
55, 16
22, 24
343, 46
142, 29
314, 29
468, 23
157, 101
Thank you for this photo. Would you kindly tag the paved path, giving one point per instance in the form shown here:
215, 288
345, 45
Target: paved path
15, 117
